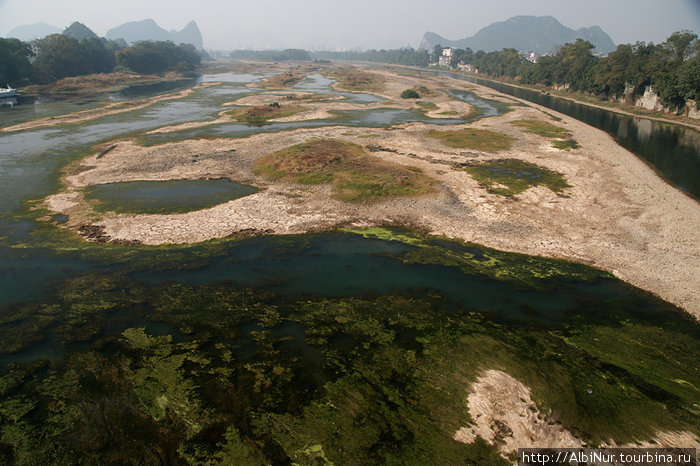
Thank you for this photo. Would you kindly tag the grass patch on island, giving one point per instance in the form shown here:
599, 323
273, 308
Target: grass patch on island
263, 113
565, 144
427, 106
472, 138
509, 177
282, 80
561, 136
355, 80
542, 128
355, 175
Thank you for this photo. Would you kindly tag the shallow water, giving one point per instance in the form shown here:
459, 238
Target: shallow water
152, 197
321, 85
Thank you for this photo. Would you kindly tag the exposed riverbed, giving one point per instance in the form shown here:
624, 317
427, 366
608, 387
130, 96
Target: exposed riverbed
303, 343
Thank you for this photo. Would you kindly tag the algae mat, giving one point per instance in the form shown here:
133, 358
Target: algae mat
352, 348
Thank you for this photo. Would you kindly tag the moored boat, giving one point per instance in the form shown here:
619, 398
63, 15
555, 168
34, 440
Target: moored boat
6, 92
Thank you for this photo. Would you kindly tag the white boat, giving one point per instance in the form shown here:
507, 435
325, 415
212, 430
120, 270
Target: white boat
6, 92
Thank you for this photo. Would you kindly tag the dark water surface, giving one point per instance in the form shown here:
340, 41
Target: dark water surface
153, 197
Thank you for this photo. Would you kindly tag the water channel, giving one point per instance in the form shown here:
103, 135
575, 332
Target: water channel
673, 151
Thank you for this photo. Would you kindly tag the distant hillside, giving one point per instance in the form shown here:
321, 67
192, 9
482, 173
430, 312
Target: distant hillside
33, 31
149, 30
79, 31
541, 34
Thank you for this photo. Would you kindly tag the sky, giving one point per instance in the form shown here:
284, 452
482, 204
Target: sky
351, 24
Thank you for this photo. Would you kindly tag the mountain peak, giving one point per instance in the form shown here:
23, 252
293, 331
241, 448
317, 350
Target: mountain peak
148, 29
541, 34
79, 31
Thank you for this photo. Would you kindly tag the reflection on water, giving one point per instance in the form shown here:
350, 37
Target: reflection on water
150, 197
673, 151
147, 90
321, 85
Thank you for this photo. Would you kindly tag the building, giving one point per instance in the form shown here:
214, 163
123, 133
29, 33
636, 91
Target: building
531, 56
469, 68
446, 58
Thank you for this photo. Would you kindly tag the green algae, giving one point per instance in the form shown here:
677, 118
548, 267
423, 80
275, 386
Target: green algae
473, 138
566, 144
561, 136
510, 177
355, 175
354, 380
470, 258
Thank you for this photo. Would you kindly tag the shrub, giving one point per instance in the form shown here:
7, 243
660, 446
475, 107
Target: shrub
410, 94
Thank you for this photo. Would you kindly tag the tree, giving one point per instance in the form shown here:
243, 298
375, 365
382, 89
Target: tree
437, 53
679, 46
156, 57
15, 68
611, 74
61, 56
58, 57
688, 78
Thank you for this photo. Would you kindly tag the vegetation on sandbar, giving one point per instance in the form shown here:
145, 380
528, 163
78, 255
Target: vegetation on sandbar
566, 144
262, 113
355, 80
561, 136
283, 80
472, 138
509, 177
427, 106
542, 128
354, 174
410, 94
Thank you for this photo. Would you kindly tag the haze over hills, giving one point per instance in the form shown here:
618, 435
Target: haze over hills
149, 30
541, 34
30, 32
79, 31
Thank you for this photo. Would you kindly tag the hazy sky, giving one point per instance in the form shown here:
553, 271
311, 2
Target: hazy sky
347, 24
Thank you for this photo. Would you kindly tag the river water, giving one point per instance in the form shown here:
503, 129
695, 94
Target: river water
62, 298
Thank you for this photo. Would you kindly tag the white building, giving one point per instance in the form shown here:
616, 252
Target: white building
446, 57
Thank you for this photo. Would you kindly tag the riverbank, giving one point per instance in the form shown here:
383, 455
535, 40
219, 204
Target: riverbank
106, 110
590, 101
617, 214
99, 84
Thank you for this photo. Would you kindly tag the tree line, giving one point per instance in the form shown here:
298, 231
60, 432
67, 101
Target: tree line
671, 68
58, 56
404, 56
272, 55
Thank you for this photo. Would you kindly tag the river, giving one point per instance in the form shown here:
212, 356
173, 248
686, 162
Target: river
673, 151
357, 345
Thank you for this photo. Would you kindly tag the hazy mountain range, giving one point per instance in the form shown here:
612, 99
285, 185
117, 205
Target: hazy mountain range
541, 34
149, 30
33, 31
129, 32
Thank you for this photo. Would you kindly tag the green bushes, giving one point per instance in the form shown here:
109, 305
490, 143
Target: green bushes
154, 57
410, 94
